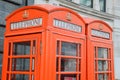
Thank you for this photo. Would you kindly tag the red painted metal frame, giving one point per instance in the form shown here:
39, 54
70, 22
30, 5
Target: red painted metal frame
46, 36
93, 43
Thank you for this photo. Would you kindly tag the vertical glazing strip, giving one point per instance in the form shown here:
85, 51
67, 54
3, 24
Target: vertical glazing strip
11, 52
31, 47
96, 62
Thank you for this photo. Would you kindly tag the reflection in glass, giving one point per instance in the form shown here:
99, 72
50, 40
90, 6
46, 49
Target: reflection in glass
102, 76
102, 65
68, 64
33, 64
21, 48
57, 77
102, 53
34, 47
32, 77
8, 64
86, 3
69, 49
19, 77
58, 47
68, 77
102, 5
57, 64
20, 64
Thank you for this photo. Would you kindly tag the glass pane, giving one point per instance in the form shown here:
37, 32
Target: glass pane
102, 65
30, 2
102, 5
68, 64
96, 63
57, 64
69, 49
33, 64
79, 67
68, 77
20, 64
19, 77
34, 47
86, 2
102, 76
32, 77
16, 1
102, 53
8, 64
21, 48
105, 76
9, 52
57, 77
58, 47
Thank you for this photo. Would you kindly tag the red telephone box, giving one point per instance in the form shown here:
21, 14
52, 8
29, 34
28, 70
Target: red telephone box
44, 42
99, 50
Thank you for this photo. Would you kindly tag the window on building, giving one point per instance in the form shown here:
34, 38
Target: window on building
21, 2
102, 5
88, 3
68, 61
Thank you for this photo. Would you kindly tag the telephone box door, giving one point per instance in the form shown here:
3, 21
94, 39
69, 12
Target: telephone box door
103, 62
23, 53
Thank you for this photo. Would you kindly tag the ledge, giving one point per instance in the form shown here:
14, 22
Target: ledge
87, 10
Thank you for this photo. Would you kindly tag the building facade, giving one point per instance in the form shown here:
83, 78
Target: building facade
106, 10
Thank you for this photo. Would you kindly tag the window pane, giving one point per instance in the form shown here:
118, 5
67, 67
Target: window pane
34, 47
102, 53
58, 47
21, 48
68, 64
16, 1
105, 76
57, 64
86, 2
102, 65
33, 64
57, 77
19, 77
8, 64
102, 5
68, 77
30, 2
19, 64
102, 76
69, 49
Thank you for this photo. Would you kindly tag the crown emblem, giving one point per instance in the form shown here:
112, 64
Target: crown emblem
25, 14
69, 17
100, 26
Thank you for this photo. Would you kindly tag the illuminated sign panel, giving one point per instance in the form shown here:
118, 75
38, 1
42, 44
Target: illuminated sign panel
66, 25
100, 34
26, 24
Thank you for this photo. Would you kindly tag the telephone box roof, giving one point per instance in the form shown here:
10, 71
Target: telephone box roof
47, 8
92, 20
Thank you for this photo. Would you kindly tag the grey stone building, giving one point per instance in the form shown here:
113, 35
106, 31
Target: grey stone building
106, 10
